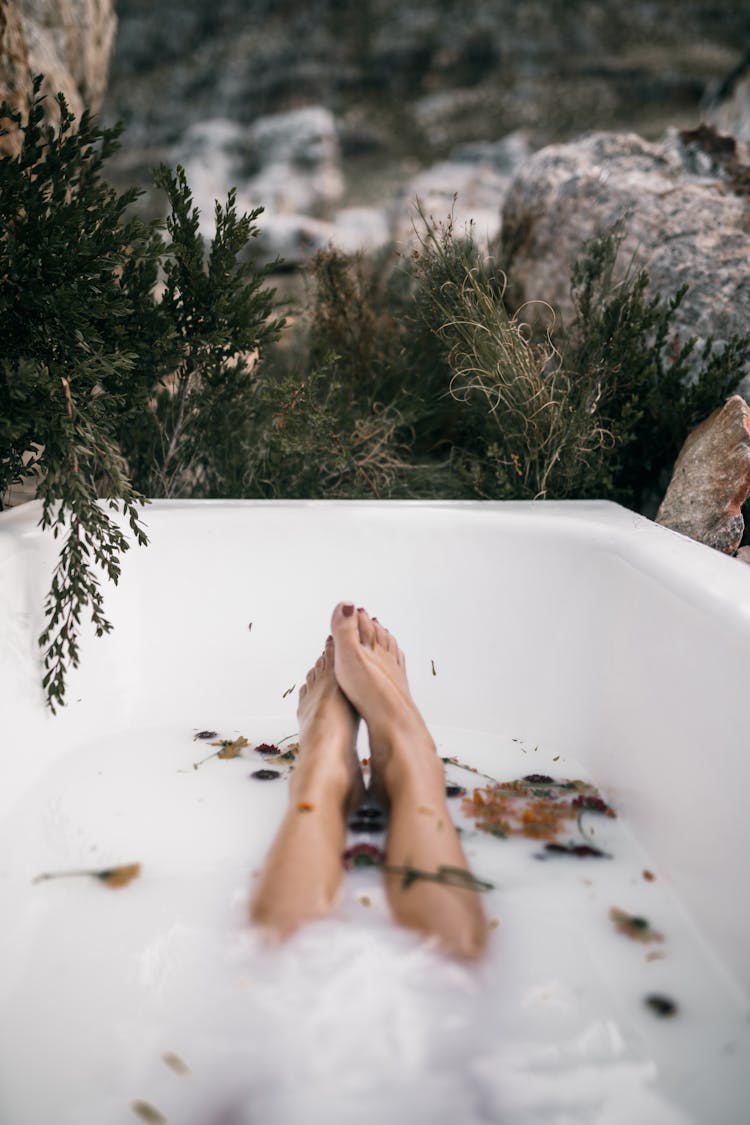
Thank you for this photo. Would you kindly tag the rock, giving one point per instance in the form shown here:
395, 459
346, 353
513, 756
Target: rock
298, 158
286, 163
685, 222
711, 479
729, 108
210, 152
470, 187
361, 228
293, 238
68, 41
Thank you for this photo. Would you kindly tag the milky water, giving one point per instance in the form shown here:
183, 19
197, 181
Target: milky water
122, 1004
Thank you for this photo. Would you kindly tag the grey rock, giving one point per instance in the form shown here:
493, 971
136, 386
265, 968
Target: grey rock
729, 109
293, 238
504, 156
361, 229
286, 163
684, 222
470, 188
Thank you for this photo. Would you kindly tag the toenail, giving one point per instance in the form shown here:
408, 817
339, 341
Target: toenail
347, 609
329, 639
361, 609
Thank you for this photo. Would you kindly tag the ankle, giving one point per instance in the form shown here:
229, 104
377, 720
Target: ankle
413, 767
320, 778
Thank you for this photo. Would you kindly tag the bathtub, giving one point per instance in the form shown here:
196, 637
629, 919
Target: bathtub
578, 628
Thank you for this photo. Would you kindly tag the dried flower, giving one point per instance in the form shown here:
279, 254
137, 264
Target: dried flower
363, 855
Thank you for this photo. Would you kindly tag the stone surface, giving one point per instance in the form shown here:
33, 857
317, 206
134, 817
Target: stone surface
68, 41
729, 109
299, 161
685, 222
470, 187
287, 163
711, 479
451, 71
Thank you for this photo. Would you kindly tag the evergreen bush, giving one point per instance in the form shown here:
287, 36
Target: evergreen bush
135, 361
110, 388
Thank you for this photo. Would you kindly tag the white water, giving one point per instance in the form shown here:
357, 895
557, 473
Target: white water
352, 1021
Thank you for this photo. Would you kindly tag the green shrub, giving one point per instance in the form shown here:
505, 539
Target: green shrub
110, 390
652, 392
137, 361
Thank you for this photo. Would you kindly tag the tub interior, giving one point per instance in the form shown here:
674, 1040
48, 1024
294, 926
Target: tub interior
575, 640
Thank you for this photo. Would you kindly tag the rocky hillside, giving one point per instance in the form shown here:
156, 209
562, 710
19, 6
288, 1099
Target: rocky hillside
441, 71
334, 116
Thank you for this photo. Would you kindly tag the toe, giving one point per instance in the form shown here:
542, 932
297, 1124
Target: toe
367, 627
344, 623
382, 636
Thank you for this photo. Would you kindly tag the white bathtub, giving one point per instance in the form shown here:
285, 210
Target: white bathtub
578, 625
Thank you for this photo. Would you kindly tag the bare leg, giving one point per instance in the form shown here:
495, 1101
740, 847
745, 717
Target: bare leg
371, 671
303, 870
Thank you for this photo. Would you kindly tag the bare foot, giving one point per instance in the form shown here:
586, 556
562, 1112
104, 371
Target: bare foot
371, 671
327, 734
422, 838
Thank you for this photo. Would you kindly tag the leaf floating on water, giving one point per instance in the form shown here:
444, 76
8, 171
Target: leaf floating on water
471, 769
148, 1113
581, 851
112, 876
363, 855
288, 691
455, 790
175, 1063
660, 1005
450, 876
590, 803
204, 734
231, 749
434, 669
228, 748
119, 876
536, 806
267, 748
634, 926
265, 775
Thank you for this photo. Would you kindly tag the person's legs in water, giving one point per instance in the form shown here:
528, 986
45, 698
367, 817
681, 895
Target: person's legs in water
303, 870
371, 671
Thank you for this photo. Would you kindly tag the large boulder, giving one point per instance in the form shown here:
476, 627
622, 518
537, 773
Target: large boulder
686, 209
68, 41
729, 109
711, 479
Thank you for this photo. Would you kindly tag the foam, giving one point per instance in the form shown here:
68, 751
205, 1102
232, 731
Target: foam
353, 1020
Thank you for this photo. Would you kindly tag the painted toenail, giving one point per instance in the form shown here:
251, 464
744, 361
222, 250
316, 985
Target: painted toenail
361, 609
347, 609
